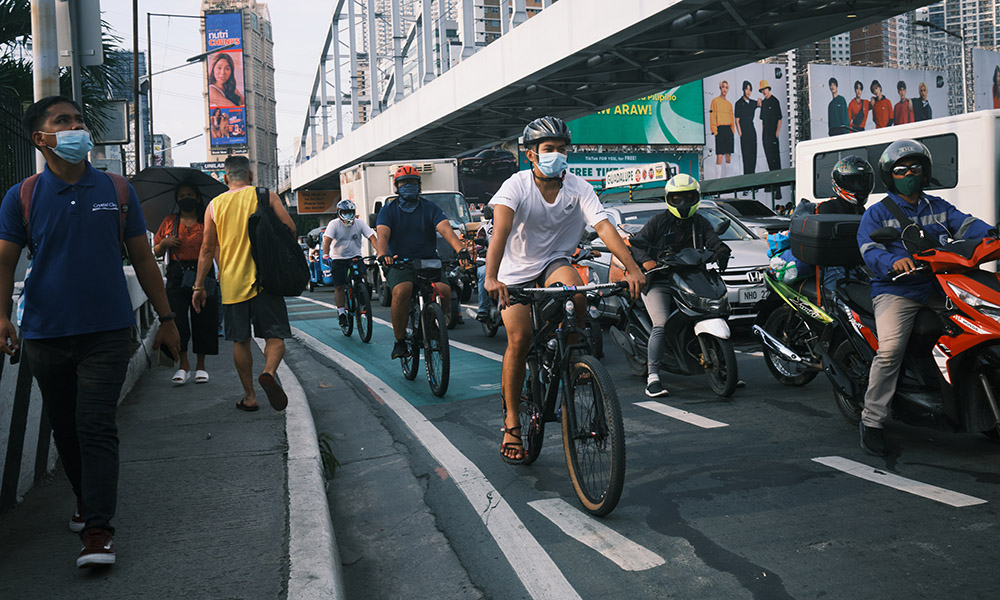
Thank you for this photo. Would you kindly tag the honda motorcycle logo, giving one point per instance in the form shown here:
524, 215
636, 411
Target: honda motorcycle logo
755, 276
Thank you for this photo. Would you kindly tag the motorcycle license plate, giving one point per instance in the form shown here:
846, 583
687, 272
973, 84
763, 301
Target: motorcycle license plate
752, 295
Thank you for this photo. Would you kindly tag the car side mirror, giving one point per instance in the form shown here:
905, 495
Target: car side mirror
372, 218
722, 226
885, 235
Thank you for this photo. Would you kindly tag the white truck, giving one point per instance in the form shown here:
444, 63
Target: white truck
966, 160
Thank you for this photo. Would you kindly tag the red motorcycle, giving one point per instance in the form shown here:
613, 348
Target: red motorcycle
950, 378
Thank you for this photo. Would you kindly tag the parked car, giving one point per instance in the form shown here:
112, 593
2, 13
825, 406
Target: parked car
754, 214
489, 163
744, 274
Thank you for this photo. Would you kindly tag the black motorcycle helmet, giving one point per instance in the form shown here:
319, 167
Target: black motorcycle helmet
853, 179
896, 152
545, 128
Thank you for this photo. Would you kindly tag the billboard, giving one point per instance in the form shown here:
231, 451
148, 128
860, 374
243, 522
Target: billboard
317, 202
845, 99
746, 122
594, 166
215, 169
673, 116
224, 83
986, 79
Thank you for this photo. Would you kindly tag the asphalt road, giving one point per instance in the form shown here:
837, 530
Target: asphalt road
768, 496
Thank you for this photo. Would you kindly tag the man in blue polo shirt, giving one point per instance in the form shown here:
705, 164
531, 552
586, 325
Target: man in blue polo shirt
406, 229
77, 313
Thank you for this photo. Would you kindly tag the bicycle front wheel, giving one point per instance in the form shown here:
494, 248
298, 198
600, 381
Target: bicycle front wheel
411, 363
363, 311
437, 359
594, 436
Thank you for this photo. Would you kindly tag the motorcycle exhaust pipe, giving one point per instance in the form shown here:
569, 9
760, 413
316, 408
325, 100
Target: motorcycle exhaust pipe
772, 342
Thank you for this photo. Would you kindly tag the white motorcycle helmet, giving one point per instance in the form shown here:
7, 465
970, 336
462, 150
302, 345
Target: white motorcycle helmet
346, 212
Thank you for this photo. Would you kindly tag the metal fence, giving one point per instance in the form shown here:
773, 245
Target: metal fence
17, 156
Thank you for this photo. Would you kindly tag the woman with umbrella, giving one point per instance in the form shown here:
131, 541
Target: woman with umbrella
179, 239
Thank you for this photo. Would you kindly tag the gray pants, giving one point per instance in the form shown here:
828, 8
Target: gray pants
657, 301
894, 318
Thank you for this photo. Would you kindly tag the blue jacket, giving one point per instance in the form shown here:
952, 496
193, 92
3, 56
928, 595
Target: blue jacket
937, 217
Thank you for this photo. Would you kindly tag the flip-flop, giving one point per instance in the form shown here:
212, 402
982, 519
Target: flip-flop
247, 407
180, 377
275, 395
201, 376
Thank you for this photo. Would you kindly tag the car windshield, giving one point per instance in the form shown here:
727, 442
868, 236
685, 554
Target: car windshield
747, 208
454, 206
634, 221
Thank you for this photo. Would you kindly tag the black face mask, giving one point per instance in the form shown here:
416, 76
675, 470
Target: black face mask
187, 204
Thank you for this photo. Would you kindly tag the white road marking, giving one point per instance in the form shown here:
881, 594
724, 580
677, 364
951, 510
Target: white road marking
533, 565
917, 488
588, 531
681, 415
452, 343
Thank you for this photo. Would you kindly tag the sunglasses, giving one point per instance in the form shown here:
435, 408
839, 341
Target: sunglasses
901, 170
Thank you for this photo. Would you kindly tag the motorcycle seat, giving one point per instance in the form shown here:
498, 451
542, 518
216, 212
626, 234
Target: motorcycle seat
807, 288
860, 295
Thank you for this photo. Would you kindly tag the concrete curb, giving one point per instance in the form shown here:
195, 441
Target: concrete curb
314, 560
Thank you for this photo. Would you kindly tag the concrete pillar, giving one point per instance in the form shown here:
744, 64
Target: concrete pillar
45, 57
373, 86
397, 50
353, 42
312, 128
504, 17
468, 29
427, 34
444, 56
338, 88
323, 99
520, 14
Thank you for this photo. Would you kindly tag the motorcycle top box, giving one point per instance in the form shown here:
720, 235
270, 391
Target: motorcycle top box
826, 240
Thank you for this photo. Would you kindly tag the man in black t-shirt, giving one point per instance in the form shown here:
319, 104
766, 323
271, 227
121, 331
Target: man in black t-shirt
744, 112
770, 116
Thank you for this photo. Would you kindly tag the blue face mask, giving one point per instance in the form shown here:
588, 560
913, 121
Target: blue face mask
552, 164
73, 145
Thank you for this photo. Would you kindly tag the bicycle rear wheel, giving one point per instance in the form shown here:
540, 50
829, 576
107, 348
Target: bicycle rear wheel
436, 356
348, 326
363, 311
532, 417
594, 436
411, 363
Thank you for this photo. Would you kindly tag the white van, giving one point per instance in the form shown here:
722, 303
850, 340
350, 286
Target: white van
965, 148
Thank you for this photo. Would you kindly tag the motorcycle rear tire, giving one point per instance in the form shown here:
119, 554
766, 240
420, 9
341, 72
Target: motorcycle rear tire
849, 359
786, 373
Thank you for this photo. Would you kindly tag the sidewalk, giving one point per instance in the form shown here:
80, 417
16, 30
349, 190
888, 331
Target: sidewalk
210, 501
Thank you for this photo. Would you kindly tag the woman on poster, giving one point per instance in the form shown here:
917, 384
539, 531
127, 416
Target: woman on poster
996, 87
222, 83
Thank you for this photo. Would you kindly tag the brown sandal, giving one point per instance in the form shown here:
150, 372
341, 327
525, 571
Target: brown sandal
517, 446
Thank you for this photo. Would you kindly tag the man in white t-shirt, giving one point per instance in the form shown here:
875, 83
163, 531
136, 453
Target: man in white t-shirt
342, 242
538, 218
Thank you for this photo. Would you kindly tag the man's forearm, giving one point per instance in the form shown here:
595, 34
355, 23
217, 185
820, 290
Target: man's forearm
204, 262
6, 290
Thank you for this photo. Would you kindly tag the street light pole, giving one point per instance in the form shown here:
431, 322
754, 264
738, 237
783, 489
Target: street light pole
961, 43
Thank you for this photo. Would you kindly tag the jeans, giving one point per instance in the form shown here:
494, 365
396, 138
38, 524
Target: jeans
81, 377
657, 300
485, 302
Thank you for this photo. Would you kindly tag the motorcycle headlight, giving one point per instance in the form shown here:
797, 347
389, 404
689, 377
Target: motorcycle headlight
983, 306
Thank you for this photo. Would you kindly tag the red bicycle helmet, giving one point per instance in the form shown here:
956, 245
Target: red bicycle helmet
405, 172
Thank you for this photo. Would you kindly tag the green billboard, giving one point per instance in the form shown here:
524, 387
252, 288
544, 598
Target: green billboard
675, 116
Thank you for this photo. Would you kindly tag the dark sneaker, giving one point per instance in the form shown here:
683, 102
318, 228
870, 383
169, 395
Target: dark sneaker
343, 319
76, 524
98, 549
872, 440
400, 349
655, 389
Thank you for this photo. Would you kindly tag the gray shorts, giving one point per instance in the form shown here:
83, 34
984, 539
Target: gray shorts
266, 312
550, 268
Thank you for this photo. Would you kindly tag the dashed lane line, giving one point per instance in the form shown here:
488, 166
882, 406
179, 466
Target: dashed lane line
903, 484
592, 533
681, 415
534, 567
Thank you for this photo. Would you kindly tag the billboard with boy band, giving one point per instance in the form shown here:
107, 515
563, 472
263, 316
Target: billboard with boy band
845, 99
225, 83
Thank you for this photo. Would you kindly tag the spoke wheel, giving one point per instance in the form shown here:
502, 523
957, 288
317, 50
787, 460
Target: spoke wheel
857, 369
532, 419
436, 356
348, 326
363, 312
722, 371
788, 326
411, 363
594, 436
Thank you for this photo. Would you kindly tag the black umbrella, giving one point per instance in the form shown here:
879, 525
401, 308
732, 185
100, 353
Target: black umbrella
156, 188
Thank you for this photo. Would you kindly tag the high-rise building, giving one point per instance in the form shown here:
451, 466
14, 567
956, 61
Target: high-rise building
259, 122
977, 21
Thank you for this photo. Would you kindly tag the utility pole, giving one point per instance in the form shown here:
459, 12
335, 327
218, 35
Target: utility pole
44, 54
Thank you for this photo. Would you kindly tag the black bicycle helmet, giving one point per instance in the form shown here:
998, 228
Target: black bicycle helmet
896, 152
853, 179
546, 128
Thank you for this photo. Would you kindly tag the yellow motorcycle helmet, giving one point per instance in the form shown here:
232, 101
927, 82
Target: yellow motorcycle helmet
683, 196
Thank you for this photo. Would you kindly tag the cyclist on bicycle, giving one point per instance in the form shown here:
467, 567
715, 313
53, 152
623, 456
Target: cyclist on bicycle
538, 218
676, 228
342, 243
406, 229
483, 239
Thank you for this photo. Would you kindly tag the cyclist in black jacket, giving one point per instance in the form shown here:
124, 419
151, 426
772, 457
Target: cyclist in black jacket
674, 229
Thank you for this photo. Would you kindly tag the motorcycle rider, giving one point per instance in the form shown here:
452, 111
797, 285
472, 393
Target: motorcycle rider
483, 240
853, 181
676, 228
905, 168
342, 241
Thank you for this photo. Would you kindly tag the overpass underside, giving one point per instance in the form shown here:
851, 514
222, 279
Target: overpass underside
580, 56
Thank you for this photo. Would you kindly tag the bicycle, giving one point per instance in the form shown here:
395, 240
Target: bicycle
426, 328
592, 429
359, 301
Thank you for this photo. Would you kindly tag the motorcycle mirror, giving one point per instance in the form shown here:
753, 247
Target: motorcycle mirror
722, 226
885, 235
372, 219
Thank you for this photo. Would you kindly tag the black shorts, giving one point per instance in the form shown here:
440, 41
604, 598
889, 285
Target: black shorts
266, 312
724, 139
407, 273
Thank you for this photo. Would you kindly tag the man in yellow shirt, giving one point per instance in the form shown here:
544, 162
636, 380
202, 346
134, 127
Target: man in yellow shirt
721, 122
243, 301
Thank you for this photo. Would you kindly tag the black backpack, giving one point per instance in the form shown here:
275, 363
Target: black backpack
281, 264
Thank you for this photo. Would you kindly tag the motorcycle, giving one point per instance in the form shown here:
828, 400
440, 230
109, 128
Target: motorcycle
697, 334
587, 274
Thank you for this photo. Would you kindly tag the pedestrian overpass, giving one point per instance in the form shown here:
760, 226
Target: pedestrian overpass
573, 58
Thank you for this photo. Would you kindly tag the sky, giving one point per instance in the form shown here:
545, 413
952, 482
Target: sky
299, 30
